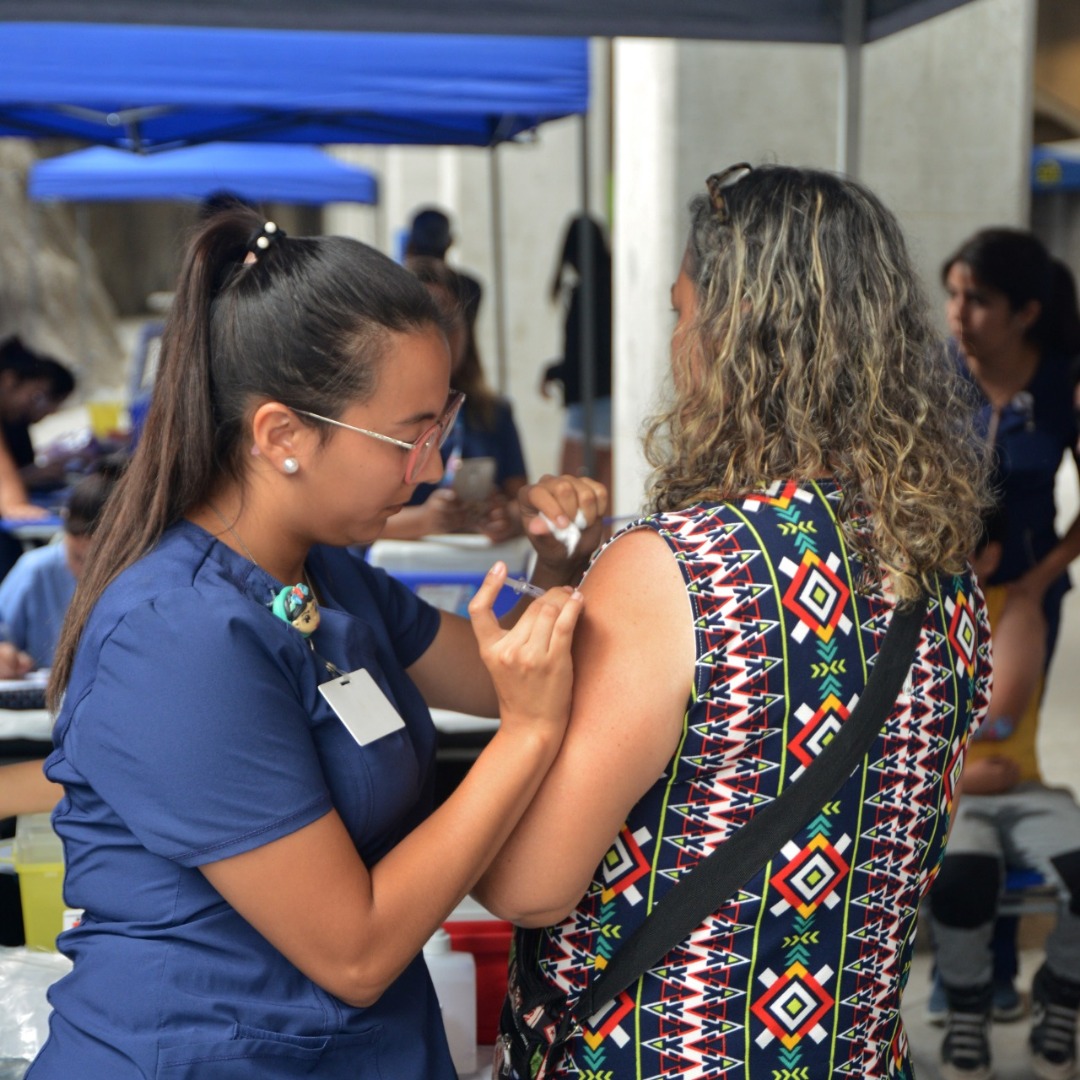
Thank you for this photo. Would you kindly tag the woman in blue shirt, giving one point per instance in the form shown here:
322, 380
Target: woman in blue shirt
484, 428
1012, 311
247, 775
35, 594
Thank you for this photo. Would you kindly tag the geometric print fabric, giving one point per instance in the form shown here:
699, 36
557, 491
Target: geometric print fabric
799, 975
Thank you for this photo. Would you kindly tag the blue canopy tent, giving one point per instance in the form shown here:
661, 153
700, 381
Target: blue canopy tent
259, 172
147, 88
150, 88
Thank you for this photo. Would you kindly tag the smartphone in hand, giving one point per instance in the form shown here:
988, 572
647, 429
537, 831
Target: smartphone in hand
474, 479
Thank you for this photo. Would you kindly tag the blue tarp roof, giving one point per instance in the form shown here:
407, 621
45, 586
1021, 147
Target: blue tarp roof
260, 172
1054, 170
152, 87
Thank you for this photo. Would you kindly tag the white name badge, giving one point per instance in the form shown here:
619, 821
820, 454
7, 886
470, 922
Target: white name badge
361, 706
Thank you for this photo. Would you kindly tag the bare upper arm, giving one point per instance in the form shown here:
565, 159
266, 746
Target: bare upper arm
633, 657
634, 661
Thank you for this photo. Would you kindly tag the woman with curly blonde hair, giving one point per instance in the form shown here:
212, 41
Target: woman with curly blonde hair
815, 470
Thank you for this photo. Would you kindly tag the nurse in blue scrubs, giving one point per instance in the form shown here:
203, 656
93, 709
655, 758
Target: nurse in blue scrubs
243, 737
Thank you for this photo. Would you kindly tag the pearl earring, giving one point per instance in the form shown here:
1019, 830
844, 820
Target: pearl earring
290, 465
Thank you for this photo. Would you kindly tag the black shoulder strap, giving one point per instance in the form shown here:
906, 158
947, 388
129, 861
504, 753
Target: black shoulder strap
733, 863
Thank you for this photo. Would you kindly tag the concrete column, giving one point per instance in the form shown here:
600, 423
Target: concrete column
645, 240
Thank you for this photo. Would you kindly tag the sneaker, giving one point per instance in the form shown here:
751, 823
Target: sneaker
965, 1053
1009, 1004
1054, 1004
937, 1005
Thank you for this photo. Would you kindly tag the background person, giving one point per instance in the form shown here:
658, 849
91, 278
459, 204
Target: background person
247, 828
815, 469
484, 428
25, 410
430, 237
567, 288
1012, 312
35, 595
31, 387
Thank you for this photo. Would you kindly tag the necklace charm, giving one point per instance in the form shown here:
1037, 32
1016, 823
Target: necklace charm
297, 605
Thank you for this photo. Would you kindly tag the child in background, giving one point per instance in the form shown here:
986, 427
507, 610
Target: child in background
34, 596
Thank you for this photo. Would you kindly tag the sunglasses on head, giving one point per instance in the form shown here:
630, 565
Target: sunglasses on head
719, 182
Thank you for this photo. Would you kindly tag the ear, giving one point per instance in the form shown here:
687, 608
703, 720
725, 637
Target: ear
277, 434
1028, 315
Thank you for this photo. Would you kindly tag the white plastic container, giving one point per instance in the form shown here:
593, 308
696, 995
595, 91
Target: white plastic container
454, 976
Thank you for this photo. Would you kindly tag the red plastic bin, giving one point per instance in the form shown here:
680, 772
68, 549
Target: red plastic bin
489, 942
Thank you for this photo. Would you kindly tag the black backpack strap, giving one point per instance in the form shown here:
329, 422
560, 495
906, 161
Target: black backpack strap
731, 865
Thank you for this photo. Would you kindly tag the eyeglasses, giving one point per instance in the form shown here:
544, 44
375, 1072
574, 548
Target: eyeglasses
725, 179
420, 451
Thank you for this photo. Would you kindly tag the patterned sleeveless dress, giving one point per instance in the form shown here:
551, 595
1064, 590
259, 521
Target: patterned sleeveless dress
799, 976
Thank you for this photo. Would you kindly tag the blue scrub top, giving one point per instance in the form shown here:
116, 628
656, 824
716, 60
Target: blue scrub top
192, 730
34, 598
1035, 431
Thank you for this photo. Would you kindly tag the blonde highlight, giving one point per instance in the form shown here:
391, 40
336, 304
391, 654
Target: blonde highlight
811, 355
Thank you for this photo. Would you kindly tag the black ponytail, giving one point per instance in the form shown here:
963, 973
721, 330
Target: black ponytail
304, 321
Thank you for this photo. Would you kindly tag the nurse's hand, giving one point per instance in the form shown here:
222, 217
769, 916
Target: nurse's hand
529, 664
563, 516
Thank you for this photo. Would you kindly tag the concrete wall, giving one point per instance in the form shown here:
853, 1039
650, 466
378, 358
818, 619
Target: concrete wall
946, 125
51, 294
1057, 65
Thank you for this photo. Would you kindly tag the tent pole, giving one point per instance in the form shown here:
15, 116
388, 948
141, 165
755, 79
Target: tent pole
499, 269
587, 308
854, 31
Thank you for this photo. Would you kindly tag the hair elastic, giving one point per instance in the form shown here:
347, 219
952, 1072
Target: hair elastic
267, 236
